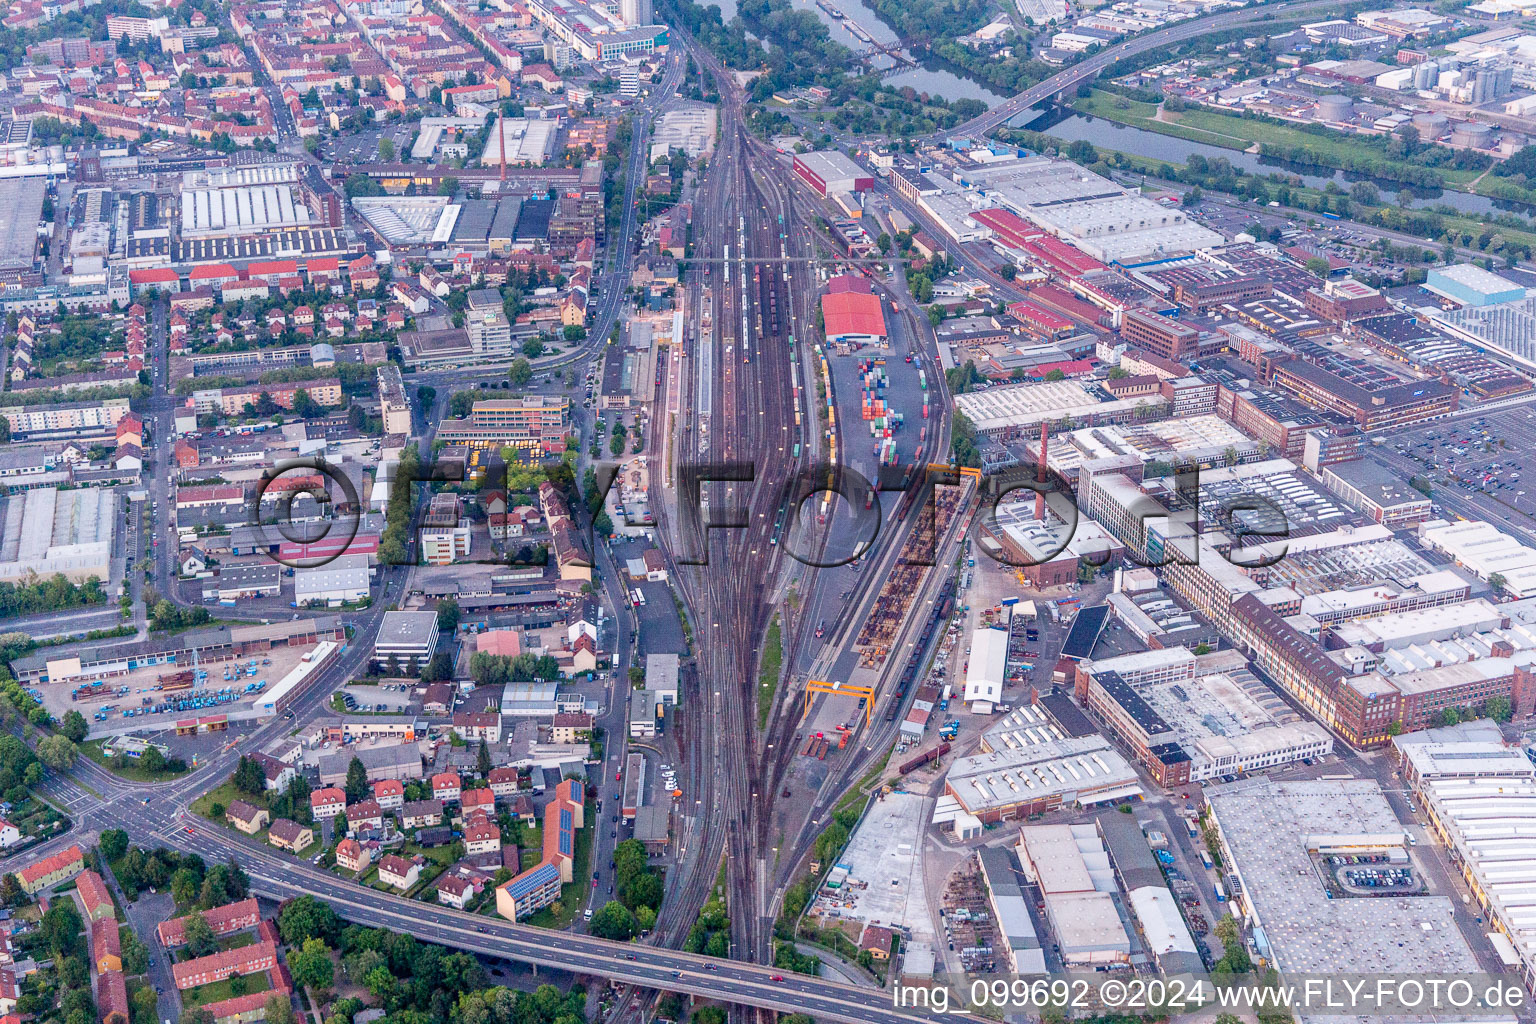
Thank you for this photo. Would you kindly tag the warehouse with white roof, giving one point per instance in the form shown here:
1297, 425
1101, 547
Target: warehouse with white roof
1479, 797
988, 668
1486, 550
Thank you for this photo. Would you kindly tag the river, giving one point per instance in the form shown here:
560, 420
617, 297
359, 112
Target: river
1155, 146
932, 78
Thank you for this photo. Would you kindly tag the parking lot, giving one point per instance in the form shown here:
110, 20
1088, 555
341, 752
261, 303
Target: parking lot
153, 698
363, 147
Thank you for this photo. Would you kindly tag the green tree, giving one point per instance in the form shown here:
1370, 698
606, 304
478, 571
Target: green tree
520, 372
184, 886
386, 151
113, 843
1320, 266
483, 758
57, 752
447, 615
614, 921
73, 726
248, 777
307, 918
311, 965
533, 348
11, 892
280, 1009
198, 936
357, 781
1497, 581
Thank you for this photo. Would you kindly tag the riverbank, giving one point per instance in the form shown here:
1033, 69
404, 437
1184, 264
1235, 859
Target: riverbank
1334, 151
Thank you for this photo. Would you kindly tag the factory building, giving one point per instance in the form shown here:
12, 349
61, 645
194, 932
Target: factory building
1471, 285
829, 171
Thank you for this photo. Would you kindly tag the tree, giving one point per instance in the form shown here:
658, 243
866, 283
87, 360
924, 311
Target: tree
386, 151
447, 615
307, 918
520, 373
533, 348
198, 936
184, 886
248, 777
379, 981
73, 726
280, 1009
113, 843
57, 752
483, 758
11, 892
196, 1015
614, 921
311, 966
1008, 271
1320, 266
1497, 581
1498, 708
439, 668
357, 781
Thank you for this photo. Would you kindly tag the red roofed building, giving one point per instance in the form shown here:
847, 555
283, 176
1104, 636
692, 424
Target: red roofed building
50, 871
482, 799
446, 786
163, 278
212, 275
853, 318
205, 970
328, 802
1011, 229
249, 1007
1041, 319
225, 920
271, 271
186, 455
94, 896
112, 997
1061, 257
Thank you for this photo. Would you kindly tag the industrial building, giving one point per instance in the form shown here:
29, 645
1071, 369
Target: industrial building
245, 210
1013, 784
1471, 285
1021, 950
1382, 496
343, 580
44, 531
1478, 797
526, 142
1189, 717
1016, 410
691, 128
409, 220
1486, 550
21, 210
988, 669
853, 318
1101, 218
1275, 838
1077, 885
828, 172
1506, 327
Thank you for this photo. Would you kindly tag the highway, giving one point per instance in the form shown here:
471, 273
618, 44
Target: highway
1088, 68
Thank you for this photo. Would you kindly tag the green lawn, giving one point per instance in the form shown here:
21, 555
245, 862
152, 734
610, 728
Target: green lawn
1216, 128
130, 769
768, 671
225, 793
573, 897
225, 989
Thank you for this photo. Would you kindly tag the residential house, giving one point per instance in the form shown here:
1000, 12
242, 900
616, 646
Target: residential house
327, 802
390, 793
287, 834
446, 787
421, 814
352, 855
399, 872
248, 818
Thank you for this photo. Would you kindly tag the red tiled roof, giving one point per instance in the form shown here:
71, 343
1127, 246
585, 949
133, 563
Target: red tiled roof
852, 313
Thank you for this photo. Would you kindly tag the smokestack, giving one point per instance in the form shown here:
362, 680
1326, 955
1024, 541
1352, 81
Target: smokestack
1040, 473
